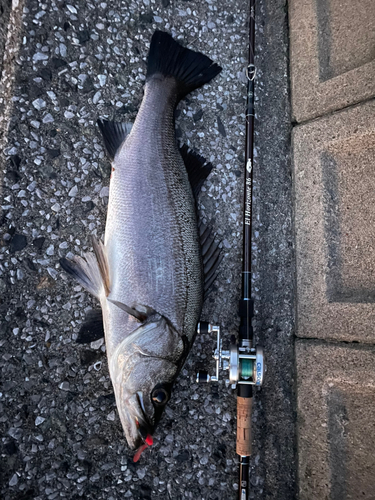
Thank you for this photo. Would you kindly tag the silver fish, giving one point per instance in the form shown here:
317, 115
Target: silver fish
152, 270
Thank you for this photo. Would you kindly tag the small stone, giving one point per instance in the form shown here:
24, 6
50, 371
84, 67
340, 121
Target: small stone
38, 242
158, 19
64, 386
146, 18
198, 115
102, 79
96, 97
53, 153
89, 206
68, 114
97, 344
221, 127
40, 14
73, 191
35, 124
39, 420
14, 480
39, 104
62, 48
72, 9
57, 63
141, 473
52, 272
48, 118
111, 416
183, 457
20, 274
89, 357
83, 36
104, 192
18, 243
40, 56
50, 250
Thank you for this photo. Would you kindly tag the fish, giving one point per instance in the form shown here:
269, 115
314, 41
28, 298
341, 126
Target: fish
157, 261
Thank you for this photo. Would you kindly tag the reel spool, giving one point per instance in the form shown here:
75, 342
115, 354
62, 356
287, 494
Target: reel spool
245, 364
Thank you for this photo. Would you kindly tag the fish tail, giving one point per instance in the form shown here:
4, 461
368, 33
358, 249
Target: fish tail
190, 69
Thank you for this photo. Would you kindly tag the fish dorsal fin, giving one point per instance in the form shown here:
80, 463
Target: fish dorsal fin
211, 256
114, 134
92, 329
197, 167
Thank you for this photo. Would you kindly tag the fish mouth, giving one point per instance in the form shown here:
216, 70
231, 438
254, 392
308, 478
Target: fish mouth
137, 428
145, 430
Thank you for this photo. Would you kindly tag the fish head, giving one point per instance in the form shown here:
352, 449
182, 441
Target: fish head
143, 370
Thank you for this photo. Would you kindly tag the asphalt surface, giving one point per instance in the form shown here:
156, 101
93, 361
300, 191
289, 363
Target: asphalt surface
67, 65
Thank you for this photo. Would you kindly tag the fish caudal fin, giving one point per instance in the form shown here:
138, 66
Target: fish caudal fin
190, 69
91, 271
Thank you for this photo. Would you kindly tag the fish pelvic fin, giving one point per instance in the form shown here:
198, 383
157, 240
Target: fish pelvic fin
92, 329
91, 271
114, 134
190, 69
197, 167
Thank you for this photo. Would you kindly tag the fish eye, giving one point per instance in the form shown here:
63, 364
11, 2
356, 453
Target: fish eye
159, 396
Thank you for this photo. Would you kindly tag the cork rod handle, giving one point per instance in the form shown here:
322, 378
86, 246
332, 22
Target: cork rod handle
243, 446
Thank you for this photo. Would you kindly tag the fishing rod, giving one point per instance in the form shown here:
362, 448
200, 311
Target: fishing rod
244, 362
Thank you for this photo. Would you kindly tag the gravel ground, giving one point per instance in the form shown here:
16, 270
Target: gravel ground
61, 434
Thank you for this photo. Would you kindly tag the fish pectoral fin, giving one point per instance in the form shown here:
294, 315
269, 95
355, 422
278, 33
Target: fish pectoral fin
211, 256
114, 134
141, 315
92, 329
197, 167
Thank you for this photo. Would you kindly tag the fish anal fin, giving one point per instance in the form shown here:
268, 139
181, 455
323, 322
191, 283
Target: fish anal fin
211, 256
114, 134
197, 167
92, 329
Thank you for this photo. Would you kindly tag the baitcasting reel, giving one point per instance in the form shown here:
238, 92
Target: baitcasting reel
244, 363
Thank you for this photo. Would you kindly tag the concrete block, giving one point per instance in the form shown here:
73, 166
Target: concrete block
336, 421
334, 182
332, 55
